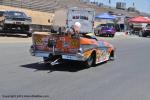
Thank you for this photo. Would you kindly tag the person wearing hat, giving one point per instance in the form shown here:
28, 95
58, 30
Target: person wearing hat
75, 29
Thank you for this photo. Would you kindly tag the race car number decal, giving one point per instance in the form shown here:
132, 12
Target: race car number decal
38, 41
74, 43
101, 55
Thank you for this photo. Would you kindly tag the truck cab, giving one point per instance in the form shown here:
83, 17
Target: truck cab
85, 16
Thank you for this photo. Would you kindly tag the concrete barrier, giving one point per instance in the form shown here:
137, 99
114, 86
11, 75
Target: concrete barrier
121, 33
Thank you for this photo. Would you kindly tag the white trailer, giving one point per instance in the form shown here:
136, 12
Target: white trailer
85, 16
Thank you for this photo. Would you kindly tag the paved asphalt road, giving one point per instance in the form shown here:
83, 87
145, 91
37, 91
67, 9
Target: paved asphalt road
126, 78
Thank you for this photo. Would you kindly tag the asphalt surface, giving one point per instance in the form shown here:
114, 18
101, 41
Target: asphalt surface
23, 77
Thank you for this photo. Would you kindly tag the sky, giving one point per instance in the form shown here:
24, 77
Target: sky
141, 5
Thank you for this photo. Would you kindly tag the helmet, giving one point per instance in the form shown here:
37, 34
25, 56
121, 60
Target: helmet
77, 24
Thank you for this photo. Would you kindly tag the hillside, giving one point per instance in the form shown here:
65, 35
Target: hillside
42, 10
38, 17
53, 5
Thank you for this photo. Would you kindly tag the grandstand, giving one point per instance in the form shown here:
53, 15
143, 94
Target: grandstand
52, 6
43, 5
37, 5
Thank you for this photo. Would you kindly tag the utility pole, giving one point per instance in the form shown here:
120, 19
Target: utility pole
21, 3
109, 1
133, 4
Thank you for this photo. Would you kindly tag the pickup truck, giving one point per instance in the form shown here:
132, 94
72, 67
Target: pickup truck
15, 22
145, 31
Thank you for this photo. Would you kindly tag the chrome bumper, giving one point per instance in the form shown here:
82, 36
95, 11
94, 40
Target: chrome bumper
15, 22
75, 57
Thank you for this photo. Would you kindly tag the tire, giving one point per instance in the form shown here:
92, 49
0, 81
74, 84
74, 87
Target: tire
112, 35
90, 62
144, 34
46, 60
1, 26
112, 56
140, 34
29, 34
97, 33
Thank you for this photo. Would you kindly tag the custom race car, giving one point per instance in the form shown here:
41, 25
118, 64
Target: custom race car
56, 48
62, 47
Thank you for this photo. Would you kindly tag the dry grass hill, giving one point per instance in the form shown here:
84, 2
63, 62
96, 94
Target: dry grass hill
43, 10
37, 17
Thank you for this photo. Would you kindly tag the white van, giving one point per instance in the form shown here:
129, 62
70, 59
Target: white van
85, 16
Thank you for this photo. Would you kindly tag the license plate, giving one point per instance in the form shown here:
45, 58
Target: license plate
68, 57
18, 22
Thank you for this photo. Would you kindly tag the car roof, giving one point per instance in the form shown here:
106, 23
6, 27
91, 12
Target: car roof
2, 10
14, 11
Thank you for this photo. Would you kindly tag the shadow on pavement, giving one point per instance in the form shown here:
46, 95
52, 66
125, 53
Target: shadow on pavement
66, 67
13, 35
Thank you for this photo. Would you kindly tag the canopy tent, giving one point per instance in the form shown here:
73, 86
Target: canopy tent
105, 16
139, 19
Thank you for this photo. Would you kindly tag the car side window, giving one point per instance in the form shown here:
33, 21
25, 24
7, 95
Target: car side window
1, 13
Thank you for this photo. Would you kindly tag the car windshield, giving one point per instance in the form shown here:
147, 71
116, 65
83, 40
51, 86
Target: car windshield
1, 13
148, 26
104, 26
15, 14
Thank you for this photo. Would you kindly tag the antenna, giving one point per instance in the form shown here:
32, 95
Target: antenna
133, 4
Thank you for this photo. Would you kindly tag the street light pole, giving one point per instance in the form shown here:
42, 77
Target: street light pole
109, 1
21, 3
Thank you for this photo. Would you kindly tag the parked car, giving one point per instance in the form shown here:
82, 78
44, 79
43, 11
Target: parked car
145, 31
15, 22
105, 30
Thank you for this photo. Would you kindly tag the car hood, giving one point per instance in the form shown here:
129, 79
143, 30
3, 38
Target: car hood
99, 43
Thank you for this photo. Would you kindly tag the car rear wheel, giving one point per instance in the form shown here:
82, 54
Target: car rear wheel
29, 34
112, 56
144, 34
111, 35
46, 60
90, 61
140, 34
1, 26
